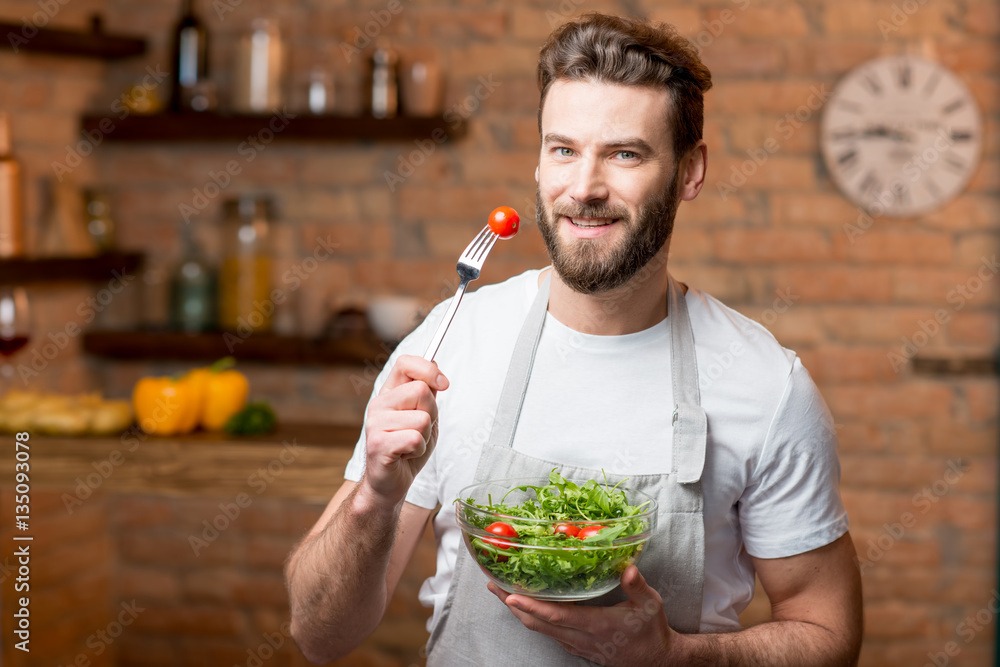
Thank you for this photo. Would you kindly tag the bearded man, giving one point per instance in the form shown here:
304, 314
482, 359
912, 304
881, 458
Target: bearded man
600, 365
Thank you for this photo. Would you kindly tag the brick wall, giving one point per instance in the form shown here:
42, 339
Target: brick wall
902, 434
71, 565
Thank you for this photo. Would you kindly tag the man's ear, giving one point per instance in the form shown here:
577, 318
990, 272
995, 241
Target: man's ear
693, 167
536, 174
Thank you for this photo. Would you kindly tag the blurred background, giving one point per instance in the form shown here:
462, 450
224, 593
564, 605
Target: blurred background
290, 183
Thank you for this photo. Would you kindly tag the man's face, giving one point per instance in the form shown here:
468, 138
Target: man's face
607, 185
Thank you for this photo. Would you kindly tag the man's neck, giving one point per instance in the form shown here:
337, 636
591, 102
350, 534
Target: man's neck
637, 305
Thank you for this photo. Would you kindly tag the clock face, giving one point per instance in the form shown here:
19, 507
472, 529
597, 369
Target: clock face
901, 136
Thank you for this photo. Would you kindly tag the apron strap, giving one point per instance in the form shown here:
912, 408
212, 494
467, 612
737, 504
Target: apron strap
689, 419
513, 392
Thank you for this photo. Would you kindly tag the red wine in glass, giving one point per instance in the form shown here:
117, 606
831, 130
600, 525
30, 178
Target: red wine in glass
9, 346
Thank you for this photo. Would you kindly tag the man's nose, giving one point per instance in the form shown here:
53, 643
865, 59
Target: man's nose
588, 182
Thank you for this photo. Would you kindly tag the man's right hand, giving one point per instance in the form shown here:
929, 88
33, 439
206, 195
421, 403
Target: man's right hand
401, 429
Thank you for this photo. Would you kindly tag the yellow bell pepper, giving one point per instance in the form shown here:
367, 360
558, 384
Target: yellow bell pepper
226, 393
165, 405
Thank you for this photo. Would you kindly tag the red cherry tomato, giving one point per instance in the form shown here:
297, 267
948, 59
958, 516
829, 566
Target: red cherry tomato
589, 531
504, 221
567, 529
501, 529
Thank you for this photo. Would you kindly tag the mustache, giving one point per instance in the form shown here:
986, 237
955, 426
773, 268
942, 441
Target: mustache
590, 211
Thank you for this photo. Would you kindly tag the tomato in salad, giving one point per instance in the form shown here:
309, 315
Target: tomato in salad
589, 531
567, 529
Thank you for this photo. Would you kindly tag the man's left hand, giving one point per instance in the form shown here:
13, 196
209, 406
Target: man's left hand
634, 632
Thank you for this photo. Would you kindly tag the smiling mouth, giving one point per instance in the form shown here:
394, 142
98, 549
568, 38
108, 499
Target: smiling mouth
587, 223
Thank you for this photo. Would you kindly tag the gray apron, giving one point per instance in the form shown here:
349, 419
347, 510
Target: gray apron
478, 629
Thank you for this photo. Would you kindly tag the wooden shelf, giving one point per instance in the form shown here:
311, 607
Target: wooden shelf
26, 270
94, 44
358, 349
193, 126
981, 366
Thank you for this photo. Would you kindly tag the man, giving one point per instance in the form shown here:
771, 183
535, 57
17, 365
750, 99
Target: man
593, 365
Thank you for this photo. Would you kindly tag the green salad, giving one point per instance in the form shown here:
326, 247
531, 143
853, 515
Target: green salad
568, 539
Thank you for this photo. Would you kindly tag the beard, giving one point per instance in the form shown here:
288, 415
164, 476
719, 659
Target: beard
587, 265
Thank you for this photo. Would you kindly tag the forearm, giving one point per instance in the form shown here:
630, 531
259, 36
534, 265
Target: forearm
772, 644
337, 579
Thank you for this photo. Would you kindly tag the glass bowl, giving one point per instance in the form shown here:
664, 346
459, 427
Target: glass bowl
541, 562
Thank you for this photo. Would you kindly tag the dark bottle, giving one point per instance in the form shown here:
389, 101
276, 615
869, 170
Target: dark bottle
190, 57
193, 287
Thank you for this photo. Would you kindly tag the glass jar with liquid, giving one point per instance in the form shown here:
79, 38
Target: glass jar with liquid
245, 272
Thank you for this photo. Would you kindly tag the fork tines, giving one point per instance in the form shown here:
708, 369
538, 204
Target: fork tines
481, 244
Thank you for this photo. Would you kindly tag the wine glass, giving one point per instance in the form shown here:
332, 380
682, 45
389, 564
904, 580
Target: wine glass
15, 328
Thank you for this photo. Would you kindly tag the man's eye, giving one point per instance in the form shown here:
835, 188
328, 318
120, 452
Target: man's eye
565, 152
627, 155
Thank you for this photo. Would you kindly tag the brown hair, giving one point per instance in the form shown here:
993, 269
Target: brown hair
630, 52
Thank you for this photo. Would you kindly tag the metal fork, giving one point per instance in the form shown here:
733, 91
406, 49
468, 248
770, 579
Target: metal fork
469, 266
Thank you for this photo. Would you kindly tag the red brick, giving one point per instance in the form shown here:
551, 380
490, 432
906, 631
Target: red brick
985, 178
689, 243
516, 168
687, 20
837, 285
189, 620
709, 207
841, 364
777, 172
909, 400
828, 56
456, 25
757, 132
980, 329
891, 247
261, 589
213, 585
759, 22
148, 584
455, 204
815, 209
148, 651
346, 166
946, 437
982, 399
500, 61
968, 513
968, 212
741, 97
896, 620
986, 91
770, 246
729, 58
982, 19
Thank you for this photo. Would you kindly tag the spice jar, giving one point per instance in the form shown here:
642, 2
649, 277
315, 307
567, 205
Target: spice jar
245, 274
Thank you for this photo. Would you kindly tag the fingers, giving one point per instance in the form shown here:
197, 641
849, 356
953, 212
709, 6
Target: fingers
637, 590
409, 368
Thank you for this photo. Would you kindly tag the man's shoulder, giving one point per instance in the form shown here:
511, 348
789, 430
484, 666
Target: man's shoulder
725, 332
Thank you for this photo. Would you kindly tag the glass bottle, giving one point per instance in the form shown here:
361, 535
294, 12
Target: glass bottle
100, 224
245, 278
192, 289
11, 230
384, 82
259, 69
190, 57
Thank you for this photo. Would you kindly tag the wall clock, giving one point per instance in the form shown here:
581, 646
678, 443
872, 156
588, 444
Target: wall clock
901, 136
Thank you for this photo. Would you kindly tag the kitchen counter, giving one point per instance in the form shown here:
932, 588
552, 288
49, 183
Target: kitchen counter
303, 461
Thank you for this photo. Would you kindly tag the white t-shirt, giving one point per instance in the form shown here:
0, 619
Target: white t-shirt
771, 472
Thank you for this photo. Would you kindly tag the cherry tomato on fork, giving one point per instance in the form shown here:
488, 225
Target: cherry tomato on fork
504, 221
